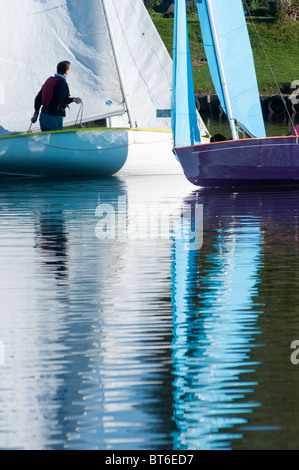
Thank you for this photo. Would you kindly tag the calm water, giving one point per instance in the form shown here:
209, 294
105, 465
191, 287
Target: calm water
128, 321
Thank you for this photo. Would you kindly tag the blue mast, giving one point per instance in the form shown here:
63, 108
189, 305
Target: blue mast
183, 110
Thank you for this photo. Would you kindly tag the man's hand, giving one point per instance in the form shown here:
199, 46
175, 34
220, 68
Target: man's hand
77, 100
34, 117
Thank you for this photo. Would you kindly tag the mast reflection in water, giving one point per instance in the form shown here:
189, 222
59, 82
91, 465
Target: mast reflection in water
214, 324
147, 343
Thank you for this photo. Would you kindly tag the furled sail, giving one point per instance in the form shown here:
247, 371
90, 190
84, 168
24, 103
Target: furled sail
37, 34
184, 115
227, 46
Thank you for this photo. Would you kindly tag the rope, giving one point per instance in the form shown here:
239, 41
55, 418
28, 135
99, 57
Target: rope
80, 115
269, 64
96, 149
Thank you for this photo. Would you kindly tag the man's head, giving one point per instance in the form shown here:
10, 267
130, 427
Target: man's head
64, 68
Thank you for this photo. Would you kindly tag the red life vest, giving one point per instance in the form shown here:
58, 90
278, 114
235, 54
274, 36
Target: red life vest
295, 131
48, 89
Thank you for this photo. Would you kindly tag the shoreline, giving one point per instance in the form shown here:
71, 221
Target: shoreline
273, 50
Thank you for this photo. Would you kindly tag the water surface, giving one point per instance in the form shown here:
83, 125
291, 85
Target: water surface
128, 322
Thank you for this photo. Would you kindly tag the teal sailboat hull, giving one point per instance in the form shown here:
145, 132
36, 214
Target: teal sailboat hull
86, 152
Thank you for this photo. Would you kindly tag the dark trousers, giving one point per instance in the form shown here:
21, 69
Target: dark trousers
50, 123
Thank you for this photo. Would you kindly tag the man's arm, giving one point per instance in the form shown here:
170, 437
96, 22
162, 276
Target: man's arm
37, 106
63, 95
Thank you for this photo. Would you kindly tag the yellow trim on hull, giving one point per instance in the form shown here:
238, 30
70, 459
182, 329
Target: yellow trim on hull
85, 129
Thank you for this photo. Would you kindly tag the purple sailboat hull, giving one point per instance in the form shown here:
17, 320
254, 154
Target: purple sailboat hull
262, 161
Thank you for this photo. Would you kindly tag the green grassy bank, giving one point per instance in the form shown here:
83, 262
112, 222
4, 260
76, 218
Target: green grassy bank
278, 42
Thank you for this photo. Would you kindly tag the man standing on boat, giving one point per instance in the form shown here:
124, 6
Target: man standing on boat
54, 97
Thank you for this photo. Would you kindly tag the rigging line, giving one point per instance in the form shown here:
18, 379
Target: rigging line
269, 64
226, 94
122, 82
133, 58
80, 115
209, 94
98, 149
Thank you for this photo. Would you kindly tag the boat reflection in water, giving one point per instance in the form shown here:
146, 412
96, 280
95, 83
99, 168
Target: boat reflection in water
120, 336
214, 323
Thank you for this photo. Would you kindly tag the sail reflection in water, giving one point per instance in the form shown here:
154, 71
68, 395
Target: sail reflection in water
214, 324
147, 343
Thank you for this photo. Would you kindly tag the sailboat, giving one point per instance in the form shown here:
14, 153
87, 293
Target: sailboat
121, 70
254, 159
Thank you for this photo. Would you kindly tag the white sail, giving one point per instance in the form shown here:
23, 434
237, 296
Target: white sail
37, 34
144, 63
119, 61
